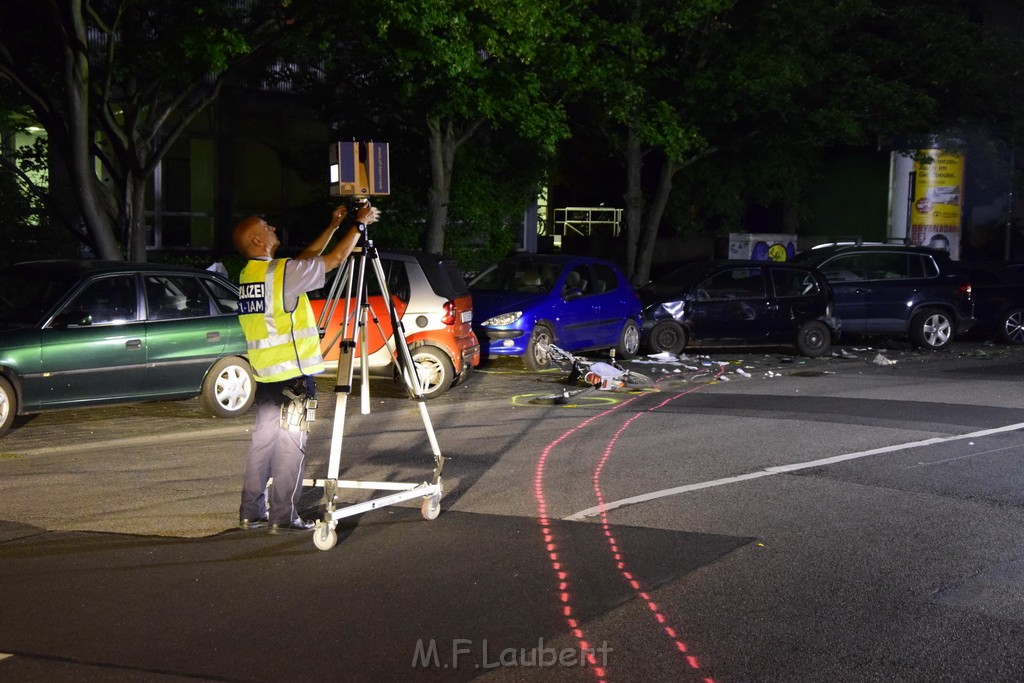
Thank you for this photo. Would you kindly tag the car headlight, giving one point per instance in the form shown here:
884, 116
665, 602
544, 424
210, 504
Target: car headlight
503, 319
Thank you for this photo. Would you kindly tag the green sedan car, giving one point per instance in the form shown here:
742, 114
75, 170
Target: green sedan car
80, 333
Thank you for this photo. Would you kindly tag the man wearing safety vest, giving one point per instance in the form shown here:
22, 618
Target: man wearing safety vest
284, 352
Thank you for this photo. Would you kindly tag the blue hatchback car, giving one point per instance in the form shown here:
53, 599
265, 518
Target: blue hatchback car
579, 303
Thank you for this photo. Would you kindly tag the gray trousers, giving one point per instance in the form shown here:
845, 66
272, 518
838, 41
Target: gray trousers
274, 452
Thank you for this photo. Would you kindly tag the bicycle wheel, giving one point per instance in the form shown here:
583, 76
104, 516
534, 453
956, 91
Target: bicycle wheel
636, 379
566, 397
561, 358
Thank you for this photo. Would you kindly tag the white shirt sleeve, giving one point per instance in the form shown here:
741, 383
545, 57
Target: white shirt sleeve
301, 276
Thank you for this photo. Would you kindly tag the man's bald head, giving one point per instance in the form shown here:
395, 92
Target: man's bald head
253, 237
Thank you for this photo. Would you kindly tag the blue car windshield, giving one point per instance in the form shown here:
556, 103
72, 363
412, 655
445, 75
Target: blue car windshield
26, 295
527, 277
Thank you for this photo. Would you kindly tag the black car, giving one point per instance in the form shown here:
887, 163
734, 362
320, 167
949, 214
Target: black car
739, 303
896, 289
998, 291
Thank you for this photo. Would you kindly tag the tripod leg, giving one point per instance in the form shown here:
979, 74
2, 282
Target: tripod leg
346, 367
356, 264
345, 358
364, 361
331, 303
408, 368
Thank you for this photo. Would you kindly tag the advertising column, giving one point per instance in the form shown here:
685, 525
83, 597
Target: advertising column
937, 200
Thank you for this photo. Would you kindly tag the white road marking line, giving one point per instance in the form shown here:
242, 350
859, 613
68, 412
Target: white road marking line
781, 469
961, 457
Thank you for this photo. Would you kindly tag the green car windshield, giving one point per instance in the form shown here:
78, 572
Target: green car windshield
28, 294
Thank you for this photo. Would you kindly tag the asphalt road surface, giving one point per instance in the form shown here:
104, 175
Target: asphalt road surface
752, 516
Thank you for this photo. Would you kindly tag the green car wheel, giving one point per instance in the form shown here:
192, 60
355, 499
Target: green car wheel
8, 405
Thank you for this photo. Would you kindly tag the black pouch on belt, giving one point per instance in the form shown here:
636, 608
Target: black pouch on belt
300, 407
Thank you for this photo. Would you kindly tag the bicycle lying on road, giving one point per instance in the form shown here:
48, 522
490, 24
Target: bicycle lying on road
597, 375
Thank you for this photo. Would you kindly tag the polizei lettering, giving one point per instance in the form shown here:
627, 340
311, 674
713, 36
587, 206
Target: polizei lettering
251, 298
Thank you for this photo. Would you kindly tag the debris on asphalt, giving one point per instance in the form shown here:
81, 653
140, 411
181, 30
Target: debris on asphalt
670, 372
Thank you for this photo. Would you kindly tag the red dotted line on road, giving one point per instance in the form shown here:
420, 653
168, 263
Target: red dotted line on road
620, 561
551, 545
554, 556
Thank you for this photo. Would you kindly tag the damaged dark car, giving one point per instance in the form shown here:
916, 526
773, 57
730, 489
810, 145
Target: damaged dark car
739, 303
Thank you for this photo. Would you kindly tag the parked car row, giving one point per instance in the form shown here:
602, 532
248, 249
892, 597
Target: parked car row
84, 333
918, 293
80, 333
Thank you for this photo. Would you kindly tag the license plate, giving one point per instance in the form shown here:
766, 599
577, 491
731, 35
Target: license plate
467, 316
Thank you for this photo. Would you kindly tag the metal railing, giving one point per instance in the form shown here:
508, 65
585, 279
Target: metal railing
586, 220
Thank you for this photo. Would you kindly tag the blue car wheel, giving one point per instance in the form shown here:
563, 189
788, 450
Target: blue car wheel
536, 356
629, 341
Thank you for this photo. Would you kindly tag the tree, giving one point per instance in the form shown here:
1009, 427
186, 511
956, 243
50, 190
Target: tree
447, 72
643, 58
115, 82
22, 234
685, 82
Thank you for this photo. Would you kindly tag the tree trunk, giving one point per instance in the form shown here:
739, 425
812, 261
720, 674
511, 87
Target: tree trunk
442, 155
442, 145
649, 233
79, 158
135, 203
634, 200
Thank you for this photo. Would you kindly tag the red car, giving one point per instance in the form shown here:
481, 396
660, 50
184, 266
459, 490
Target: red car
432, 302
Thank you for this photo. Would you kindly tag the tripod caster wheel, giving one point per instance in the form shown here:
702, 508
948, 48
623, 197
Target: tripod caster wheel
431, 507
324, 537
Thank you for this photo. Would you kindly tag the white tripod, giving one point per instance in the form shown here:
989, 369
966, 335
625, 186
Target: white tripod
352, 279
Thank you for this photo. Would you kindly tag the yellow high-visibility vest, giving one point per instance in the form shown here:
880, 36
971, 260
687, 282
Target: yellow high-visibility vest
282, 344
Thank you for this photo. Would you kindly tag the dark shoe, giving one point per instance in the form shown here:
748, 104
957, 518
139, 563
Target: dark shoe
295, 525
253, 523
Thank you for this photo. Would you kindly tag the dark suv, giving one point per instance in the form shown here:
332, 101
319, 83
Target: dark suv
896, 289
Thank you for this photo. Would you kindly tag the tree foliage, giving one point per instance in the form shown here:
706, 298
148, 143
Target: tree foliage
115, 82
708, 104
693, 85
442, 74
